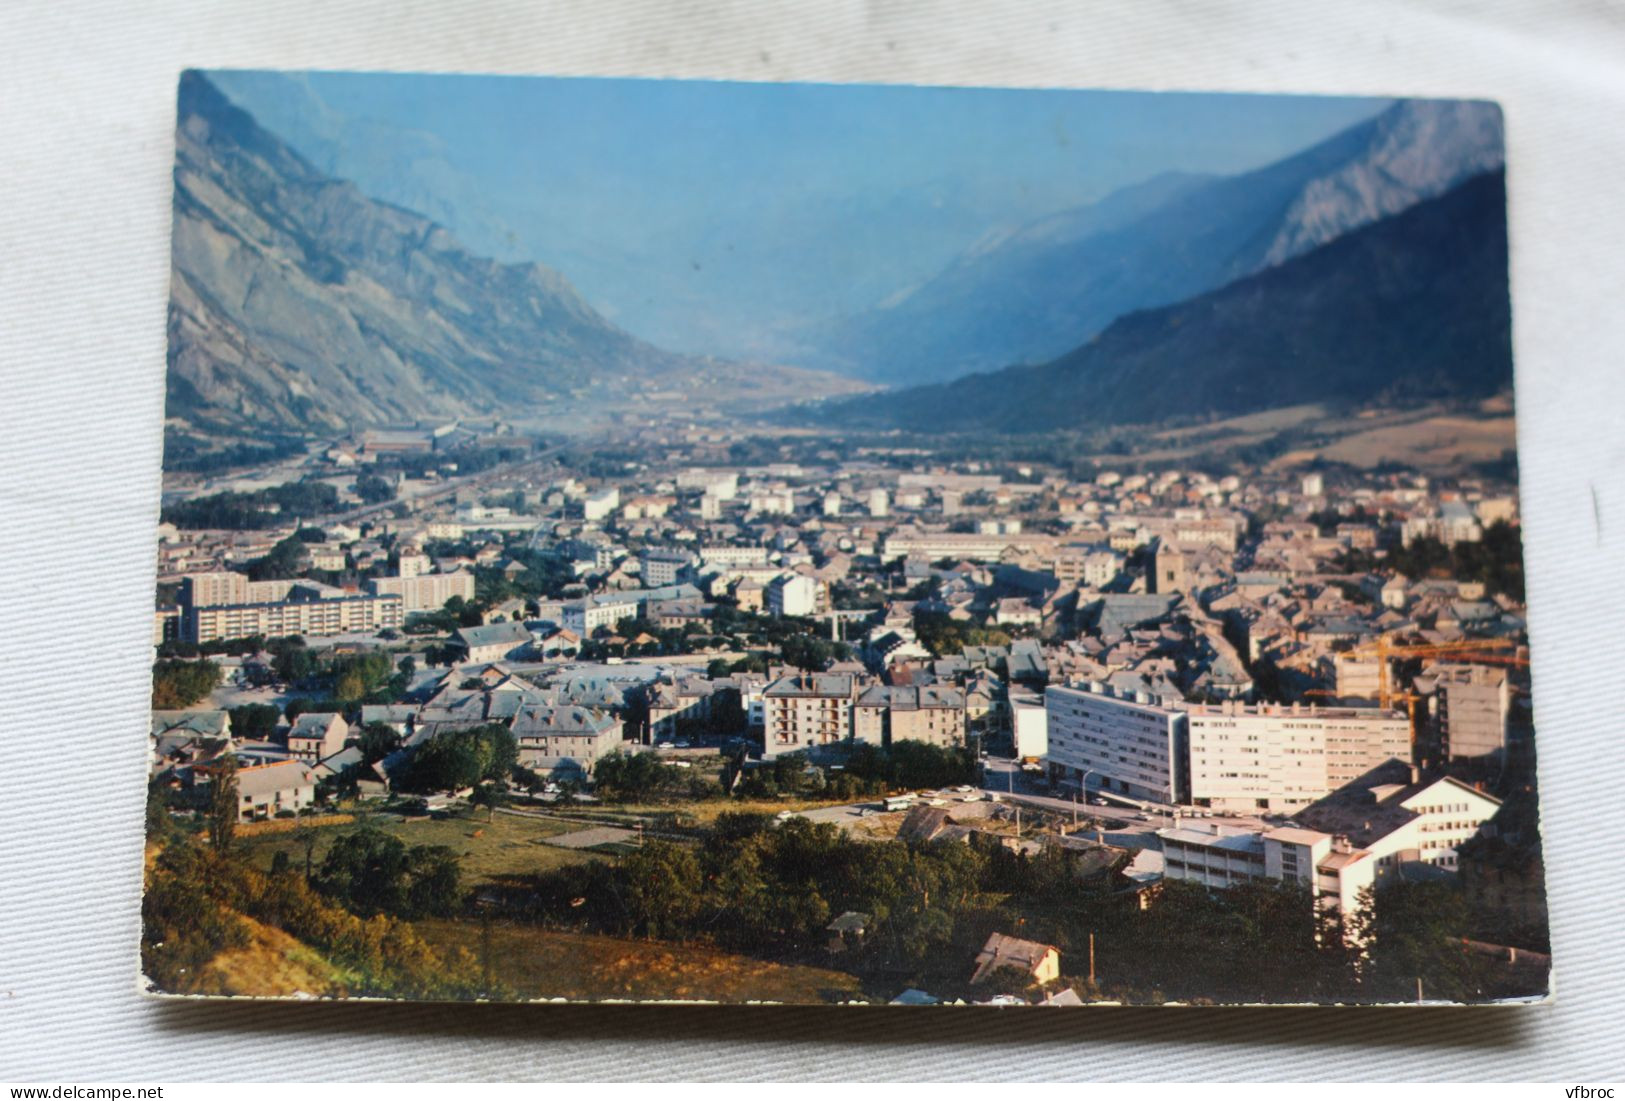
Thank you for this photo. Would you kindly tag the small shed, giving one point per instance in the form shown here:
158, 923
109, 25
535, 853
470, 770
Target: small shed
847, 930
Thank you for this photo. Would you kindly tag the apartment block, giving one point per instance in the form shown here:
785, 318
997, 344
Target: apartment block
807, 712
885, 714
1130, 745
425, 592
1283, 757
312, 618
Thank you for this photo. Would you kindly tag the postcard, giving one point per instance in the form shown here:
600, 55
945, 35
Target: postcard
649, 540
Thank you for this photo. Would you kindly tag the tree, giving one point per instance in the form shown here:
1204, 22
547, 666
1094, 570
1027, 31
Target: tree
377, 741
374, 490
365, 871
178, 684
223, 810
434, 886
254, 722
1417, 931
491, 795
461, 759
808, 652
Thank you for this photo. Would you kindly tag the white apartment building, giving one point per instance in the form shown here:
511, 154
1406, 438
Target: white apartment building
413, 564
425, 592
601, 505
722, 486
311, 618
1029, 725
586, 617
1218, 856
1283, 757
795, 594
663, 567
879, 502
1230, 756
733, 556
1098, 739
807, 712
1399, 817
1096, 568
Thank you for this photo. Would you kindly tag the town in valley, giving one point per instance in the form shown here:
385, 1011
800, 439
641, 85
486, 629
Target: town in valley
757, 543
561, 661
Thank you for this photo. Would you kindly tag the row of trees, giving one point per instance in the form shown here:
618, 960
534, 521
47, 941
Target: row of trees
264, 508
771, 890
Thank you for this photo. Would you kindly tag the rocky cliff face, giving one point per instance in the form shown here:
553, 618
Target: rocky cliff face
299, 304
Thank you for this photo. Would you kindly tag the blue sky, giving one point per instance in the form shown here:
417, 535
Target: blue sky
703, 215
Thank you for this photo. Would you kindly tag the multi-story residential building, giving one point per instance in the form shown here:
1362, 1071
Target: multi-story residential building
663, 567
1282, 758
1399, 815
425, 592
599, 612
1357, 677
796, 595
885, 714
726, 556
1029, 726
1131, 745
1217, 531
908, 542
1093, 566
205, 590
1229, 756
563, 740
1331, 868
1472, 703
317, 734
722, 486
312, 617
601, 505
807, 712
493, 642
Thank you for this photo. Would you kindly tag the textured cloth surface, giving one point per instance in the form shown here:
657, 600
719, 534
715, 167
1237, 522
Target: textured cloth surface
89, 90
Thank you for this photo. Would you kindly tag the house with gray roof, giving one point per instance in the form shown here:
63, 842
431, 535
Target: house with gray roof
564, 741
493, 642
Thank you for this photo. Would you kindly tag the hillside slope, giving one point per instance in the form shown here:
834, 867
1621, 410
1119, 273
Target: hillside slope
1412, 307
1031, 295
299, 304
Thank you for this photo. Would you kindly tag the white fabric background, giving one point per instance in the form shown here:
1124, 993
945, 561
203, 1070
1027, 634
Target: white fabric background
87, 107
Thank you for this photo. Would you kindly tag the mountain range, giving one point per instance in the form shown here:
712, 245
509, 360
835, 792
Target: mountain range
299, 304
1032, 294
1370, 266
1413, 306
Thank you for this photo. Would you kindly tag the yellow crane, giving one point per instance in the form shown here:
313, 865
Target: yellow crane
1481, 651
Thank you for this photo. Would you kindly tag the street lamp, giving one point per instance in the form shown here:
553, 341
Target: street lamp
1083, 785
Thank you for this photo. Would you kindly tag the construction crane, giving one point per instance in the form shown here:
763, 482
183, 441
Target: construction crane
1480, 651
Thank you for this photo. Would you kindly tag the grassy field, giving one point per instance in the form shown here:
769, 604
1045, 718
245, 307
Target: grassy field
508, 845
538, 963
705, 813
